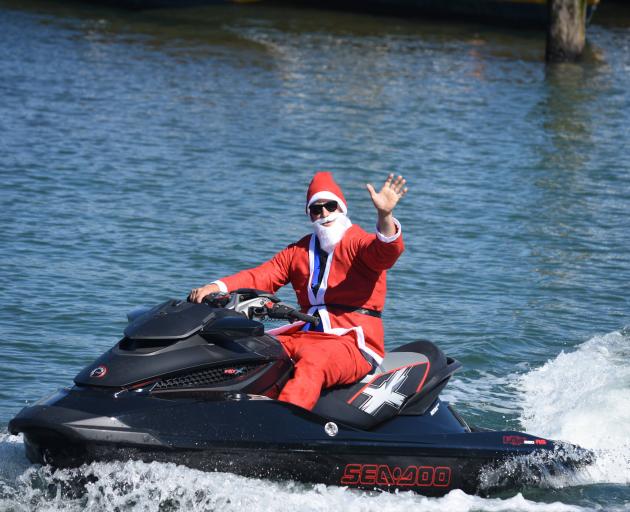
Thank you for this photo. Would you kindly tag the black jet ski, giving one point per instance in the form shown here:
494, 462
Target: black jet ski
194, 384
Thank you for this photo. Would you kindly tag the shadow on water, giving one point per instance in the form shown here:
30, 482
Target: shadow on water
221, 29
613, 14
162, 30
199, 29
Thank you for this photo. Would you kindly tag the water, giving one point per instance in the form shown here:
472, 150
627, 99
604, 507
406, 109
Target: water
143, 154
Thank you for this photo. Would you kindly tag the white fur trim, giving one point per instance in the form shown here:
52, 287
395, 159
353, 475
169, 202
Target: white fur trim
324, 194
340, 331
319, 299
389, 239
323, 286
221, 285
360, 341
325, 317
311, 266
323, 312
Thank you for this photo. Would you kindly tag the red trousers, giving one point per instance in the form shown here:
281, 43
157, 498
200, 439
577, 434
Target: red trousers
321, 361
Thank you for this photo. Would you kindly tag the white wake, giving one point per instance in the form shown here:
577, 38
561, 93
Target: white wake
584, 397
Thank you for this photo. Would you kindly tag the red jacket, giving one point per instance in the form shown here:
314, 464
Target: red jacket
355, 275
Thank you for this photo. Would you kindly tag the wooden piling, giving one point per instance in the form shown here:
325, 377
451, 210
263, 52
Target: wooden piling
566, 33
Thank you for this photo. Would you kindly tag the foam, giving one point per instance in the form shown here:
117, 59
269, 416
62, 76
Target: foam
581, 397
13, 462
584, 397
156, 487
485, 391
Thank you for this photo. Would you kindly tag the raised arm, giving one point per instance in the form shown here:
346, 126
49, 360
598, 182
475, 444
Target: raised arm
385, 201
382, 251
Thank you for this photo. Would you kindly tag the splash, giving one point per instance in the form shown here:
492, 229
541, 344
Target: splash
558, 468
13, 462
580, 397
137, 486
584, 397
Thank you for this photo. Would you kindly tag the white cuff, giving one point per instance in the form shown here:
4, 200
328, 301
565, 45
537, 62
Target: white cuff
221, 285
389, 239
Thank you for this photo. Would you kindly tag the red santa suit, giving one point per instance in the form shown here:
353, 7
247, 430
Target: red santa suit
348, 301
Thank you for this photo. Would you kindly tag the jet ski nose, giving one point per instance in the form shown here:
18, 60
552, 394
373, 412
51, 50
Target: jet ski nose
556, 462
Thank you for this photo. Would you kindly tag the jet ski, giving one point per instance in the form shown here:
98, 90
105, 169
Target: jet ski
194, 384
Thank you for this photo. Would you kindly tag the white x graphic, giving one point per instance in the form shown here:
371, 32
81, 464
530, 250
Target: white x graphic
386, 392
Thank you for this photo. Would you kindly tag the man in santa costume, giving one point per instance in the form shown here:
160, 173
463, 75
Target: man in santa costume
338, 274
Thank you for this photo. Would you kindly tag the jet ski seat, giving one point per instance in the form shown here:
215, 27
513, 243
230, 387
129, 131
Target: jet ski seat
394, 360
408, 381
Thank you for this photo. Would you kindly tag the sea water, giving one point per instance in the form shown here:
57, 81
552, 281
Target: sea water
146, 153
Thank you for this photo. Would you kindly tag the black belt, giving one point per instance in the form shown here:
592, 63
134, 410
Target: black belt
353, 309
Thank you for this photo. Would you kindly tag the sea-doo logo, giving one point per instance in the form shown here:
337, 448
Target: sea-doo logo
99, 372
384, 475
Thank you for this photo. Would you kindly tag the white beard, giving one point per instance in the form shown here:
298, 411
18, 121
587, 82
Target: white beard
330, 235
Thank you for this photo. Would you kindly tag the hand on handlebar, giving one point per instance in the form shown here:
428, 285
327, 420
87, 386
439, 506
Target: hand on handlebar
253, 303
197, 294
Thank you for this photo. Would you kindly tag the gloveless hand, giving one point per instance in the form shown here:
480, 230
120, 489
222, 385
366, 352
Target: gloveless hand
197, 294
392, 191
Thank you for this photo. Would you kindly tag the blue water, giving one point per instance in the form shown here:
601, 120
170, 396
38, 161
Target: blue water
143, 154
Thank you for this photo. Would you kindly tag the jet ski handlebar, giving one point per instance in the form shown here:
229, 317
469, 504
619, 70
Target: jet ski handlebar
258, 304
283, 311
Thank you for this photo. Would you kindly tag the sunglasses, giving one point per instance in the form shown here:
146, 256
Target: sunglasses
316, 209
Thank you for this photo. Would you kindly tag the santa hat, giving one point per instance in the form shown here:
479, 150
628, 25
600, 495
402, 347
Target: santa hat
323, 186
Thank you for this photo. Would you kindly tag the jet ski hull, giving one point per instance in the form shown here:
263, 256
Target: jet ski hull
192, 384
430, 454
